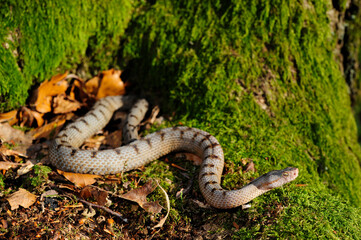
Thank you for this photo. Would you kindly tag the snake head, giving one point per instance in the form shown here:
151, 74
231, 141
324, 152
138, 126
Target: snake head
276, 178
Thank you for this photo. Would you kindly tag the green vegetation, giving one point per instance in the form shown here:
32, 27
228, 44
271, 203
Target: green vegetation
40, 175
39, 38
261, 76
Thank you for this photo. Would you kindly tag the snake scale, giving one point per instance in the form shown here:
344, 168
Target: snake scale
64, 152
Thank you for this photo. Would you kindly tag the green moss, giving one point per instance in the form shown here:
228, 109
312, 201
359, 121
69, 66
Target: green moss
309, 214
12, 90
41, 175
56, 36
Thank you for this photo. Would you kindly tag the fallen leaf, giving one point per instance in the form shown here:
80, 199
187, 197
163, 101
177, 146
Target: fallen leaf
110, 222
16, 137
152, 207
21, 198
235, 225
25, 168
9, 152
4, 224
27, 116
79, 180
92, 85
152, 118
9, 117
49, 130
111, 84
3, 157
10, 134
114, 139
93, 142
250, 167
108, 83
99, 196
77, 90
57, 85
8, 165
139, 196
61, 104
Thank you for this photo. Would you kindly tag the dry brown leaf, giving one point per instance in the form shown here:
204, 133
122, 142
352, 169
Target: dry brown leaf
152, 207
99, 196
57, 85
21, 198
3, 157
10, 134
78, 90
250, 167
92, 85
108, 83
110, 222
16, 137
8, 165
79, 180
25, 168
139, 196
48, 131
93, 142
4, 224
111, 84
27, 117
114, 139
152, 118
9, 117
61, 104
10, 152
235, 225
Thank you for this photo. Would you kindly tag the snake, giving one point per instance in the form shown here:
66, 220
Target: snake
64, 152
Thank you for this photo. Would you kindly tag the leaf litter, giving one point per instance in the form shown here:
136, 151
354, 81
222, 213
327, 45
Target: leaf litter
21, 198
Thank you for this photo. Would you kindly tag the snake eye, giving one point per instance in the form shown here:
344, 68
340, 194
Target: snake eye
285, 174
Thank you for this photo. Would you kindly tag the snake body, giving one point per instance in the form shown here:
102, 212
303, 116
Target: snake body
64, 153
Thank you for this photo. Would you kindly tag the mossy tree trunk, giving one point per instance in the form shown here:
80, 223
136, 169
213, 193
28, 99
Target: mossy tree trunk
262, 76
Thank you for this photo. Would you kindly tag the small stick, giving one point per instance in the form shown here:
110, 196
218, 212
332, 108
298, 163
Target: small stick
92, 204
104, 208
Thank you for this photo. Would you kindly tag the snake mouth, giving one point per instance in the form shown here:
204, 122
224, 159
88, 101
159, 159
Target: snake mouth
276, 178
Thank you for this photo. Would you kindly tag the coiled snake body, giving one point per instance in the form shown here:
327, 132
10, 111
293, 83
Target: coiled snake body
64, 153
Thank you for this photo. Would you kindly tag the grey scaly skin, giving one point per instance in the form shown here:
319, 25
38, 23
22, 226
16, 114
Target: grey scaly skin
65, 154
